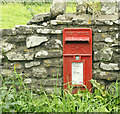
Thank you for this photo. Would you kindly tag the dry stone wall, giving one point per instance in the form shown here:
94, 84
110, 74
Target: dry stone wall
36, 49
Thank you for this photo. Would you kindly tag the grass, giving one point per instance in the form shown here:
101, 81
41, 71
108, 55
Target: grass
19, 14
16, 97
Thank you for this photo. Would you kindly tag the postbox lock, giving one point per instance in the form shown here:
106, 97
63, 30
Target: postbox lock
77, 58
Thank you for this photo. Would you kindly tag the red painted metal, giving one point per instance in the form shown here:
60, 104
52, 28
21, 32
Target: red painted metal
77, 42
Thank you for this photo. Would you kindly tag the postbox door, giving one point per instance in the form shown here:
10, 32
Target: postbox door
77, 58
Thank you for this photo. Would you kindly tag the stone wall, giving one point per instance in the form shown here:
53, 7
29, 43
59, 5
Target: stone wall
36, 49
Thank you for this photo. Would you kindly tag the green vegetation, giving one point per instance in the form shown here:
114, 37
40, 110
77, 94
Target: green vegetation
20, 13
16, 97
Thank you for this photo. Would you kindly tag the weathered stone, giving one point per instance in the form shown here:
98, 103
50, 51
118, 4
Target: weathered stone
118, 51
108, 8
28, 80
99, 22
58, 7
7, 46
53, 62
8, 32
39, 72
52, 90
81, 8
15, 39
56, 31
53, 44
100, 37
32, 63
23, 30
32, 27
20, 54
116, 58
48, 54
105, 75
51, 82
115, 45
61, 17
17, 65
108, 22
113, 29
109, 67
96, 65
44, 31
117, 22
45, 24
40, 18
53, 22
54, 71
33, 41
96, 55
6, 72
109, 40
99, 46
106, 54
118, 35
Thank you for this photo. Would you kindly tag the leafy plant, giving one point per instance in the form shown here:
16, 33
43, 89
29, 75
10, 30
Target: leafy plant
16, 97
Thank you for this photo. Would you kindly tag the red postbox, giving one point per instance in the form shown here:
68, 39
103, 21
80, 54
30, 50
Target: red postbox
77, 58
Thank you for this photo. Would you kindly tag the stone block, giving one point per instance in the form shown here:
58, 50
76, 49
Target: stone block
54, 71
109, 76
57, 8
17, 65
20, 54
107, 22
33, 41
117, 22
49, 31
109, 40
51, 82
48, 54
61, 17
96, 65
52, 90
103, 55
99, 46
96, 55
8, 32
28, 80
81, 8
38, 18
108, 8
7, 46
53, 22
109, 67
39, 72
56, 31
116, 58
97, 37
53, 44
32, 64
6, 72
56, 62
24, 30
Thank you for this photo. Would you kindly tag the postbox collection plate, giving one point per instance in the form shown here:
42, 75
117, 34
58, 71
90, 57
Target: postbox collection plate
77, 57
77, 73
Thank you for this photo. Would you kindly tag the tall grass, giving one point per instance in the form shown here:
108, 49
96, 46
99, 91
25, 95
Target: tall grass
16, 97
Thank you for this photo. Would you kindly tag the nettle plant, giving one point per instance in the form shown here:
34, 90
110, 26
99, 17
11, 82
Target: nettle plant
16, 97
